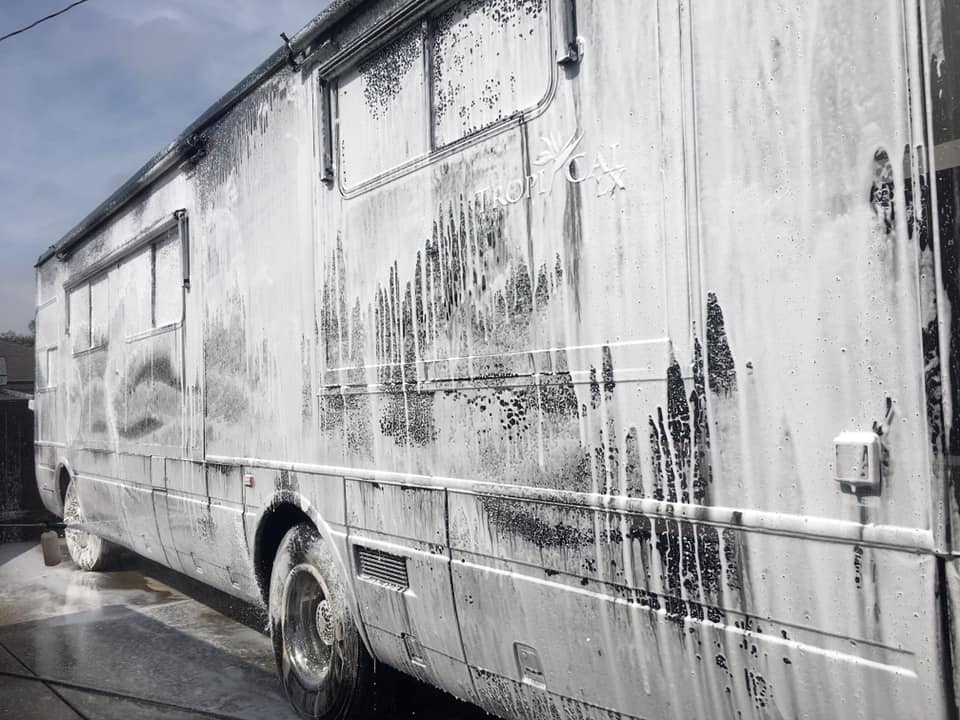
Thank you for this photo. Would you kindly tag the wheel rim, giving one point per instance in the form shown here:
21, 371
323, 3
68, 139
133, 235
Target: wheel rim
309, 630
77, 539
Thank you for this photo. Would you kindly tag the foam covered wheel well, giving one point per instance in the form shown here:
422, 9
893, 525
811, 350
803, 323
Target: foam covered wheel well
63, 481
273, 527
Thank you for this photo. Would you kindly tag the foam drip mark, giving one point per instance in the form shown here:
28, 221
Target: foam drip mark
722, 373
151, 398
468, 291
691, 568
678, 412
758, 689
702, 469
693, 558
306, 382
469, 294
858, 566
680, 442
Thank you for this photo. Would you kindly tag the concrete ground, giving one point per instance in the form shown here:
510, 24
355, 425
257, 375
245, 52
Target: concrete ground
143, 642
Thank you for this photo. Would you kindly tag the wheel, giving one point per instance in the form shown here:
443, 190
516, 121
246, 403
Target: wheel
88, 551
325, 670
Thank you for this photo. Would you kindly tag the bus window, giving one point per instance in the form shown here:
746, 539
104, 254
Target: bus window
168, 279
382, 112
99, 312
79, 305
135, 270
153, 297
490, 60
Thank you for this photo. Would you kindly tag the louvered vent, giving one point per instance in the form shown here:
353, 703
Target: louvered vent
382, 566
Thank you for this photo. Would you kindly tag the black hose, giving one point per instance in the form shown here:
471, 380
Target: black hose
111, 693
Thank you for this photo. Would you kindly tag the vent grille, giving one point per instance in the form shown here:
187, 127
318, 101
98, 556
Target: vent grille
382, 566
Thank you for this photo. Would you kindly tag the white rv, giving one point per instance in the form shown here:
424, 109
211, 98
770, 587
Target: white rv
587, 359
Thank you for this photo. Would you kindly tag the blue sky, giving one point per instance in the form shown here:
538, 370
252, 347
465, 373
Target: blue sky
89, 96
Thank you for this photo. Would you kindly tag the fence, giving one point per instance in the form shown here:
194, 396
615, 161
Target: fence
19, 497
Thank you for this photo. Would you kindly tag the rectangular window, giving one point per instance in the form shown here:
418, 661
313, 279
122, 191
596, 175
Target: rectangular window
48, 324
43, 377
47, 368
79, 306
153, 286
382, 110
490, 60
99, 312
89, 306
479, 62
167, 282
47, 340
137, 276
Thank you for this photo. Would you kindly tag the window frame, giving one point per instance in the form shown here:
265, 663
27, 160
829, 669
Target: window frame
167, 236
47, 385
88, 283
328, 87
48, 341
174, 225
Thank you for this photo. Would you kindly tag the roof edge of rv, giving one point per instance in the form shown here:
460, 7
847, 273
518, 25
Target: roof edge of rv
185, 143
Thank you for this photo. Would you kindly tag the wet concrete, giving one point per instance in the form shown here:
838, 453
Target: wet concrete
143, 642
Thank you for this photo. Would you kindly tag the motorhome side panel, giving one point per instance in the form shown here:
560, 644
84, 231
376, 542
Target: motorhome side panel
621, 357
50, 392
252, 228
824, 341
118, 364
660, 289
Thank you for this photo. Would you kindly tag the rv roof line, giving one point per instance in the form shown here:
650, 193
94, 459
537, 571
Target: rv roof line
185, 143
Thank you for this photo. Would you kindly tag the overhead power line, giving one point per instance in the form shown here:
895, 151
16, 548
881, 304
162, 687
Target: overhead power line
41, 20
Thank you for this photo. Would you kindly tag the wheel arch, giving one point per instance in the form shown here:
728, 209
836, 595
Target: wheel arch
285, 510
64, 476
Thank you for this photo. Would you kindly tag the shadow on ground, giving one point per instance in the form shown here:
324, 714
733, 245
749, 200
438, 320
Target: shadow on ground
144, 641
415, 700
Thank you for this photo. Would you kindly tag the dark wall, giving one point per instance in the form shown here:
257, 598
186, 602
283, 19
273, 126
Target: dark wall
19, 497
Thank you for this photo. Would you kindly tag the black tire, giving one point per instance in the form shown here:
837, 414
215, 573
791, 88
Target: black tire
88, 551
325, 670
